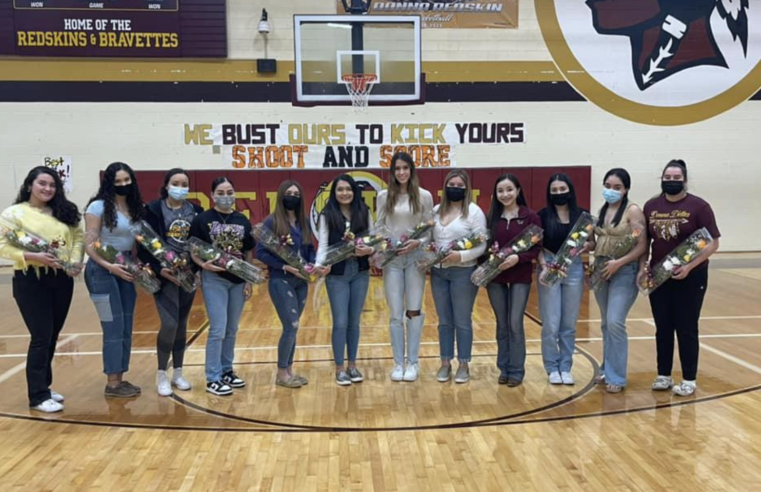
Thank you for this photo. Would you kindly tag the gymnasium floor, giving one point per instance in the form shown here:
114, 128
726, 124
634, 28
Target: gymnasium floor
387, 436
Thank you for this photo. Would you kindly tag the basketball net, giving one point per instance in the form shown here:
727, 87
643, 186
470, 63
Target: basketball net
359, 86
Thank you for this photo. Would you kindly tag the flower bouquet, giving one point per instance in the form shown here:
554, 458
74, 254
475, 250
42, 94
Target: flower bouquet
391, 247
433, 255
344, 249
282, 248
527, 239
144, 276
33, 243
682, 255
594, 272
558, 266
242, 269
178, 263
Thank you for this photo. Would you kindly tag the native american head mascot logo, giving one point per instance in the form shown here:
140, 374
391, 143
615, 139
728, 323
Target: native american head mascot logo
668, 36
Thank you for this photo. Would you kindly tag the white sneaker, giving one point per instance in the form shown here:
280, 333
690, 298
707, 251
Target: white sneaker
162, 383
398, 373
178, 381
555, 378
49, 406
56, 396
410, 374
567, 378
685, 388
663, 383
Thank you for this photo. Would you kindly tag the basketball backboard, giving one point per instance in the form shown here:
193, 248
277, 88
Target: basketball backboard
328, 48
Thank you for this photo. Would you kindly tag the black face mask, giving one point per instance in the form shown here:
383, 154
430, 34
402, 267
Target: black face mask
123, 190
672, 187
561, 198
455, 194
291, 202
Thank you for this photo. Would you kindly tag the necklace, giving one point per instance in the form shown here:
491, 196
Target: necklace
224, 221
176, 212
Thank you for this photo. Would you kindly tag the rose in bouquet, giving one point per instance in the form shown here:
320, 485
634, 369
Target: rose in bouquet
392, 247
557, 268
169, 258
434, 255
595, 277
241, 269
345, 249
487, 271
144, 276
32, 243
282, 247
682, 255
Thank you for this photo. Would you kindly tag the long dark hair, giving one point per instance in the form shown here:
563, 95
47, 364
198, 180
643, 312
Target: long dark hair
63, 210
280, 216
553, 221
413, 185
623, 175
332, 211
218, 181
168, 177
496, 209
107, 193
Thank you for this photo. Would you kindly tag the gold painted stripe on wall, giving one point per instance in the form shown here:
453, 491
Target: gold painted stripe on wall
131, 70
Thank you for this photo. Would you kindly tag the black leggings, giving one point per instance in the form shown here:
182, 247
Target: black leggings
676, 308
44, 303
173, 305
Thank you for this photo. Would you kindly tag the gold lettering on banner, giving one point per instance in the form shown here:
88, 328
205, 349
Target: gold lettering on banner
198, 135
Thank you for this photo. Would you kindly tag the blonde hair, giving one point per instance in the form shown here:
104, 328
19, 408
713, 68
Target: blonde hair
445, 203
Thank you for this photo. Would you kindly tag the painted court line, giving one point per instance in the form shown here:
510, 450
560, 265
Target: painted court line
20, 367
731, 358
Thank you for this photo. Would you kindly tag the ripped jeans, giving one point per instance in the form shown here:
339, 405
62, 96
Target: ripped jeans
114, 301
289, 295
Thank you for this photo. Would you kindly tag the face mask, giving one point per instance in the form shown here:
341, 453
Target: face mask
178, 193
561, 198
455, 194
224, 202
612, 196
672, 187
291, 202
123, 190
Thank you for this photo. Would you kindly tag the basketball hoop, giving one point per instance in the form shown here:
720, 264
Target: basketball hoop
359, 86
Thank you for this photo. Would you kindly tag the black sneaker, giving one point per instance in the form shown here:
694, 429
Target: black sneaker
355, 375
136, 389
120, 391
232, 380
219, 388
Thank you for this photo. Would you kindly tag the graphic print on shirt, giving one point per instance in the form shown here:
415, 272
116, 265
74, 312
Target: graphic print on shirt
666, 226
178, 231
227, 237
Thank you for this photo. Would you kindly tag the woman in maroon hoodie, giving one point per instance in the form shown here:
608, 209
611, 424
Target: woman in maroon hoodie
509, 291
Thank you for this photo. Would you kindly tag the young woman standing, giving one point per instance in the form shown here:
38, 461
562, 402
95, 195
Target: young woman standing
400, 208
453, 292
171, 217
347, 281
671, 218
108, 219
508, 292
41, 289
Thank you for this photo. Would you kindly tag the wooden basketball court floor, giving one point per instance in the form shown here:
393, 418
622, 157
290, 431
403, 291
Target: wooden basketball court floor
386, 436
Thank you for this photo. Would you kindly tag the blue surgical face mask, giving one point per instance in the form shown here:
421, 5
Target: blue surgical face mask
612, 196
224, 202
178, 193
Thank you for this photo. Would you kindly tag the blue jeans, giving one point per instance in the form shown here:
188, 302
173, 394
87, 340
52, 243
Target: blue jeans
454, 295
404, 285
509, 304
289, 296
114, 301
559, 308
224, 304
347, 294
615, 298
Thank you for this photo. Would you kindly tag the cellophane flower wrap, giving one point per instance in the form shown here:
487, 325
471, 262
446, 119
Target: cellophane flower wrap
344, 249
523, 242
433, 255
144, 276
594, 273
32, 243
282, 247
580, 232
682, 255
169, 258
391, 247
223, 259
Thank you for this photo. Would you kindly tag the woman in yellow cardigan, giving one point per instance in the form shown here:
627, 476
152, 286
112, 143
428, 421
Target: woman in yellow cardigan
42, 289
